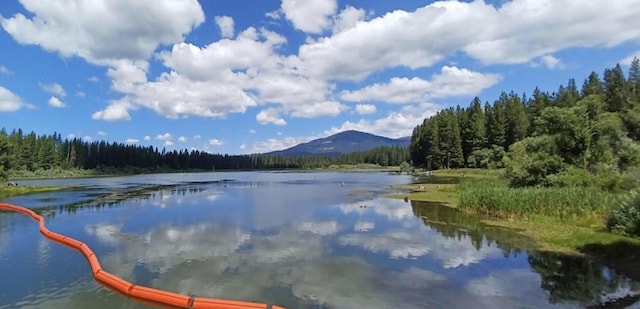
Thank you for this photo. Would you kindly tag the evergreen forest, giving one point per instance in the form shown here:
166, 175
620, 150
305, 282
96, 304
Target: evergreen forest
31, 154
575, 136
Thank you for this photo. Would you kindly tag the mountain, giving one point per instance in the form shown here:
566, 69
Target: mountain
343, 142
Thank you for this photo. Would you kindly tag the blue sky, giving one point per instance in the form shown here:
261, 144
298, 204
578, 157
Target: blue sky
254, 76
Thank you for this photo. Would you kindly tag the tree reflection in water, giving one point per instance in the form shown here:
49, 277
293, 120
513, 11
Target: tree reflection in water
565, 278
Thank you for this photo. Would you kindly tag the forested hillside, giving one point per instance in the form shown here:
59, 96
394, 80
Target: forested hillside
20, 152
573, 136
342, 143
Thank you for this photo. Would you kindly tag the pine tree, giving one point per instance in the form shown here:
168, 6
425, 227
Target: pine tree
535, 106
466, 132
631, 116
615, 89
592, 85
472, 131
477, 119
4, 157
449, 145
634, 80
516, 122
418, 144
45, 152
495, 124
567, 96
432, 143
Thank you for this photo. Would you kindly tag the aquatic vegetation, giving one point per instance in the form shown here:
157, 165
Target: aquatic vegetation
22, 190
493, 197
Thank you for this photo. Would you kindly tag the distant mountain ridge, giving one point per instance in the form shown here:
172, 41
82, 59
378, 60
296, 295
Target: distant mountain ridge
343, 142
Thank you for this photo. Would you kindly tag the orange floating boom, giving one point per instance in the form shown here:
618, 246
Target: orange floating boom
140, 293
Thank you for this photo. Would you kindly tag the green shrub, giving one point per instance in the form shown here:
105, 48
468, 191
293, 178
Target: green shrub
608, 180
625, 219
529, 162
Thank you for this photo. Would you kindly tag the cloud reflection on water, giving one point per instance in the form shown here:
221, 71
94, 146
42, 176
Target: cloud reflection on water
217, 260
210, 260
413, 239
317, 247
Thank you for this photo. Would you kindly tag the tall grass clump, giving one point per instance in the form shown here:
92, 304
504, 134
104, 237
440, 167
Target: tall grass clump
493, 197
625, 219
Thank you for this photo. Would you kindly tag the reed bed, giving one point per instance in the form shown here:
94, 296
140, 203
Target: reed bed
492, 197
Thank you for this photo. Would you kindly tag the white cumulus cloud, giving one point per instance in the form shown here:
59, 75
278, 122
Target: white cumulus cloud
313, 110
10, 102
54, 88
215, 142
395, 124
364, 109
270, 115
103, 32
164, 137
451, 81
347, 19
116, 111
226, 25
55, 102
249, 70
273, 144
312, 16
548, 61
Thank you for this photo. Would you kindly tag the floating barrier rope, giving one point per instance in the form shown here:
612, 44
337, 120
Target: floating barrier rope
139, 293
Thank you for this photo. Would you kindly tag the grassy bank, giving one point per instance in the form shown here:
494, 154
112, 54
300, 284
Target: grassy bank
441, 186
493, 198
557, 219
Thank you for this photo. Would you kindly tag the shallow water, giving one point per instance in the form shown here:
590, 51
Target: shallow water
300, 240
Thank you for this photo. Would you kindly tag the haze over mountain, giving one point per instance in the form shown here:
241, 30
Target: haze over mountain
343, 142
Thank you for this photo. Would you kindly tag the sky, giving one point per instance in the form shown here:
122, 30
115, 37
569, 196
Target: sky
240, 77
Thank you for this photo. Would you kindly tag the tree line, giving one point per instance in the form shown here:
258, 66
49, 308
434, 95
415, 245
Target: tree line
20, 151
587, 134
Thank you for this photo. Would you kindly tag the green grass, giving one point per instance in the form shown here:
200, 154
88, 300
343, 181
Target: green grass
21, 190
441, 187
564, 220
551, 234
444, 193
492, 197
470, 172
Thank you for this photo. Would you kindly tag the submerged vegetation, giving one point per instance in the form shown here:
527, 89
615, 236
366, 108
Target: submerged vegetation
19, 190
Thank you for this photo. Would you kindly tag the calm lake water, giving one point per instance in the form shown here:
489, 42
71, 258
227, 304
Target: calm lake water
300, 240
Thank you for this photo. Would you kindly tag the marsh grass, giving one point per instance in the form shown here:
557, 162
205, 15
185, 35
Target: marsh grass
470, 172
444, 193
492, 197
555, 219
550, 234
24, 190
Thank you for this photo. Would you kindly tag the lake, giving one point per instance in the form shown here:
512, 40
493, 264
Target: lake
299, 240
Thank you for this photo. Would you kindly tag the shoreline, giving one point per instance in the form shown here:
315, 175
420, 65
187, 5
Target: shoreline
547, 234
